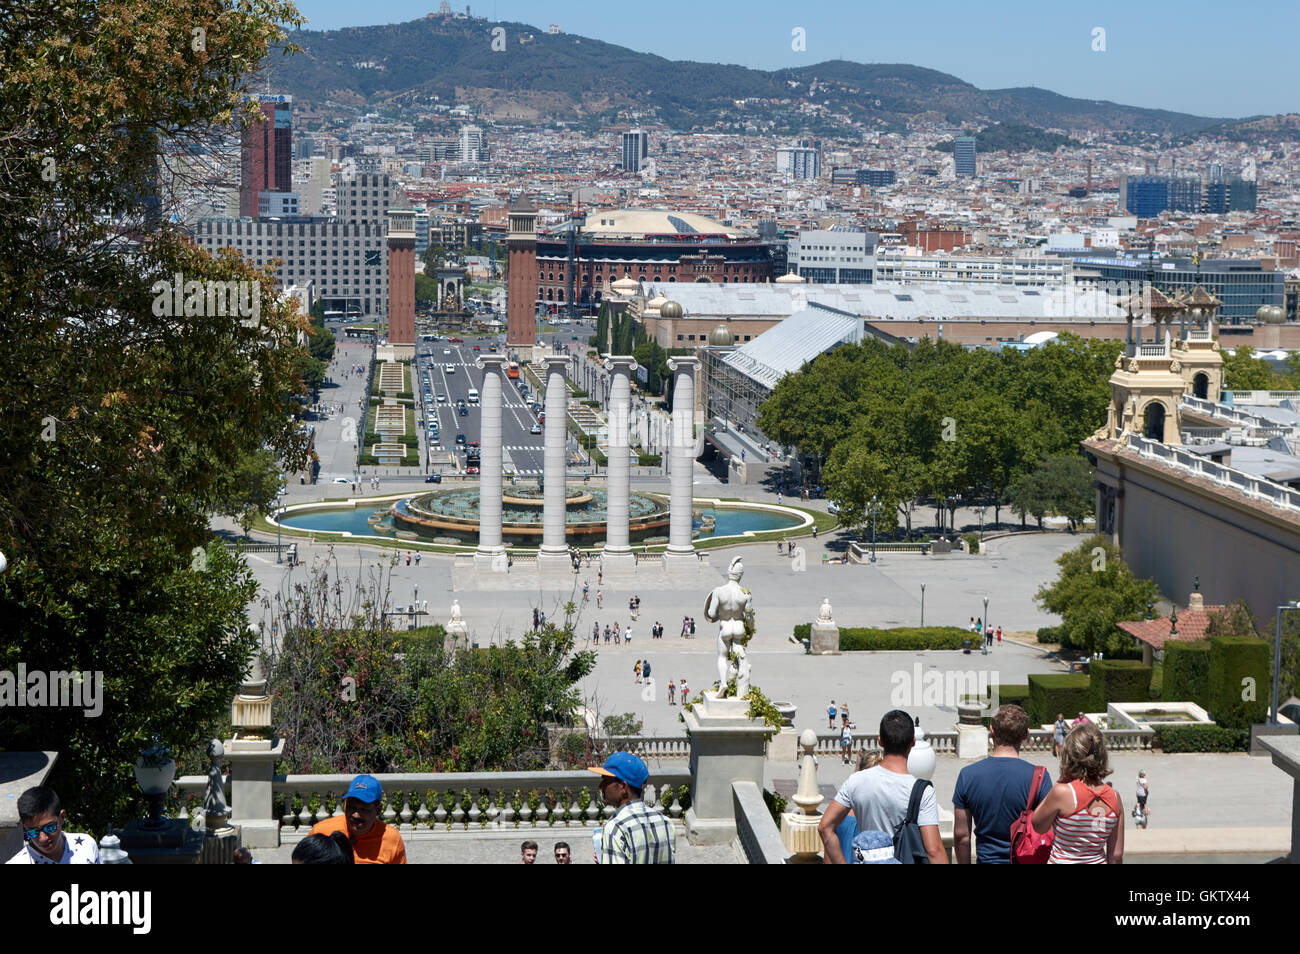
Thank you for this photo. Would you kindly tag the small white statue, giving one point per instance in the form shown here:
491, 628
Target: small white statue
455, 611
727, 605
214, 800
824, 616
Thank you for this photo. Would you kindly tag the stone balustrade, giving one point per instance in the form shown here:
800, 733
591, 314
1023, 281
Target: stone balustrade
1258, 487
759, 838
455, 801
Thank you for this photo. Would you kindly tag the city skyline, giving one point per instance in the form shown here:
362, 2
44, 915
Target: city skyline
1155, 56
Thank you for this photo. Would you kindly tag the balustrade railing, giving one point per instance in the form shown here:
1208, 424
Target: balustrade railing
1252, 486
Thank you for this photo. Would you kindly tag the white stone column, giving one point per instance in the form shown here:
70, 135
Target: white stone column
682, 447
618, 551
491, 553
554, 551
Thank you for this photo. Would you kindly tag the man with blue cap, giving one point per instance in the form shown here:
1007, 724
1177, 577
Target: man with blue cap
373, 842
636, 835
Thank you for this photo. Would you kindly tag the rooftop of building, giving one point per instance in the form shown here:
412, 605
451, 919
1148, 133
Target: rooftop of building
639, 223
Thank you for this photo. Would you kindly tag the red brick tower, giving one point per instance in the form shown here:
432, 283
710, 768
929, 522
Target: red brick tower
521, 290
401, 282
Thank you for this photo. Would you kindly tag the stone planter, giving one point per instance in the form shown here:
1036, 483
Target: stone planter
155, 779
787, 710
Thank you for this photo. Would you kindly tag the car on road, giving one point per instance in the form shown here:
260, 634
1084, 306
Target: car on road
461, 439
456, 340
477, 348
341, 480
442, 398
832, 508
433, 479
535, 429
446, 351
541, 418
450, 369
464, 411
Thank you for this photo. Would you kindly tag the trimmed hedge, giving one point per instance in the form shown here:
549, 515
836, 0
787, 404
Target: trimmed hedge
1187, 673
972, 543
865, 639
1014, 694
1234, 662
1201, 738
1050, 693
649, 460
1049, 634
1118, 680
860, 639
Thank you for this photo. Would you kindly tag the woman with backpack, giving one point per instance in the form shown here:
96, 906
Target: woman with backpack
1083, 811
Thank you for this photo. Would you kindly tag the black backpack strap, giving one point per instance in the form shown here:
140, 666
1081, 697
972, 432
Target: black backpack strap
914, 803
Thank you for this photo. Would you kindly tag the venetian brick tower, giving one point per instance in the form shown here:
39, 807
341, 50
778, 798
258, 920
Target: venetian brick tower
521, 290
401, 283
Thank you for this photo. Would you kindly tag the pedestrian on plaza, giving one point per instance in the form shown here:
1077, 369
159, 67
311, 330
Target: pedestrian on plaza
814, 531
830, 715
645, 671
417, 557
1084, 811
971, 627
528, 853
999, 635
672, 687
586, 588
535, 619
627, 634
563, 856
979, 626
991, 793
595, 632
692, 627
844, 711
1059, 732
846, 742
879, 797
1080, 719
618, 635
778, 497
637, 601
600, 596
607, 634
780, 547
373, 842
41, 819
631, 607
636, 672
683, 690
1143, 790
600, 577
684, 627
636, 834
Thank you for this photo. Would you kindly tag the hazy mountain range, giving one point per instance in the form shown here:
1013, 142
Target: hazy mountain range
541, 77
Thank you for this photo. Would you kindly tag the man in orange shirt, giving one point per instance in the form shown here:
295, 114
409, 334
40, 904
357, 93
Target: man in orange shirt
373, 842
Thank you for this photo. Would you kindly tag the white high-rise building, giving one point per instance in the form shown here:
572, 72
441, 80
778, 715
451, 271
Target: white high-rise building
801, 162
473, 147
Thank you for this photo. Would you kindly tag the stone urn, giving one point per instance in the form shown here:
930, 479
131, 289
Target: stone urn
787, 710
154, 779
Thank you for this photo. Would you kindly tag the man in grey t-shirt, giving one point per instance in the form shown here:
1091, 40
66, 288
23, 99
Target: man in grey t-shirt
879, 796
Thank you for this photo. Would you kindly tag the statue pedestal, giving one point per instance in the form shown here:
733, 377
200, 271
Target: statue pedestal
800, 836
825, 639
681, 561
557, 563
726, 746
784, 746
491, 561
177, 844
252, 769
972, 742
455, 636
219, 846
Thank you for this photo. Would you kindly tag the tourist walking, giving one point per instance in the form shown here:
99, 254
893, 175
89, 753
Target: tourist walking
595, 632
1143, 790
879, 797
631, 607
991, 793
846, 742
618, 635
600, 598
683, 690
1059, 732
645, 671
844, 711
417, 557
672, 687
607, 634
627, 634
830, 715
636, 672
999, 635
586, 588
1085, 813
636, 835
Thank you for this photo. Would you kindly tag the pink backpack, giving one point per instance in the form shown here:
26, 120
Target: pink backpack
1028, 847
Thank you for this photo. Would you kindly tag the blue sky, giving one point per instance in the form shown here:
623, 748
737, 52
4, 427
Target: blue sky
1211, 59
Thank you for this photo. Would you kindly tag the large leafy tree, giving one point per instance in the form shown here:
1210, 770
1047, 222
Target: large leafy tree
122, 423
1242, 371
1094, 591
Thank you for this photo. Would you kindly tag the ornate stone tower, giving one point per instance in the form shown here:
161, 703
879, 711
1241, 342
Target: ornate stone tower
1148, 380
1198, 349
521, 291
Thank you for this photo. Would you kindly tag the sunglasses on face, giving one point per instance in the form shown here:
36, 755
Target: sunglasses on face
33, 833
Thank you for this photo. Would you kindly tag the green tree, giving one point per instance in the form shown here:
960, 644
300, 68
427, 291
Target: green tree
854, 474
1095, 590
121, 424
426, 291
1242, 371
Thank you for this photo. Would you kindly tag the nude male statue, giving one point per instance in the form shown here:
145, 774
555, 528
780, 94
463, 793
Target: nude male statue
726, 605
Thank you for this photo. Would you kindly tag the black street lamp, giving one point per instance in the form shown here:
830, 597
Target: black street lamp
922, 605
874, 508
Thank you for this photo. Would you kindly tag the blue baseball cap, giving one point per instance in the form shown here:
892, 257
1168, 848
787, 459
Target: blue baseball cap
365, 788
625, 767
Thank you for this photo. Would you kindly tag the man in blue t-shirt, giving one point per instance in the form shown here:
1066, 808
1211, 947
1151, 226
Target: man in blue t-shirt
993, 791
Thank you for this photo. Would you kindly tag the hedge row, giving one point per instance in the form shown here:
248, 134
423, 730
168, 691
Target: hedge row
1049, 634
1201, 738
1014, 694
865, 639
649, 460
1052, 693
1239, 680
1118, 680
1187, 673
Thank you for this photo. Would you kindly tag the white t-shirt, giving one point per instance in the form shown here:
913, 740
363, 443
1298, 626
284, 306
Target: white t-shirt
879, 797
77, 850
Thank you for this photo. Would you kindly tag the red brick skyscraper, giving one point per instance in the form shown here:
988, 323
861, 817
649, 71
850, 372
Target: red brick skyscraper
521, 290
266, 154
401, 282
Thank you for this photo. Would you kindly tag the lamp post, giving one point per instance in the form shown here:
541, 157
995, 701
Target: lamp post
874, 508
1277, 655
279, 497
980, 510
986, 614
923, 606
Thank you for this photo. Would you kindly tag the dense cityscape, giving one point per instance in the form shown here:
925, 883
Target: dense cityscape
357, 400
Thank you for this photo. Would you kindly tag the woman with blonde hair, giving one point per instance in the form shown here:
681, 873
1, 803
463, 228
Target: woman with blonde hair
1082, 809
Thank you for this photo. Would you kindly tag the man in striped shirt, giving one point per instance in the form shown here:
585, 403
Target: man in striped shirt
636, 835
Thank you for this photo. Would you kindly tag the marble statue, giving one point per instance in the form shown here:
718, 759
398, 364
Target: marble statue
214, 800
825, 615
727, 605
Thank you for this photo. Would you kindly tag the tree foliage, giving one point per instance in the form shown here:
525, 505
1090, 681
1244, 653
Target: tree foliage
1094, 591
1242, 371
122, 425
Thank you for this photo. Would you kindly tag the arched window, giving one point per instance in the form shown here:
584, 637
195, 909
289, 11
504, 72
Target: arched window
1201, 385
1153, 418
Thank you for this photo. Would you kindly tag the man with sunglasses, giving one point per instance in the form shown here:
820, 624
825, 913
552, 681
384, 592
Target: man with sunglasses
636, 835
562, 854
42, 816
